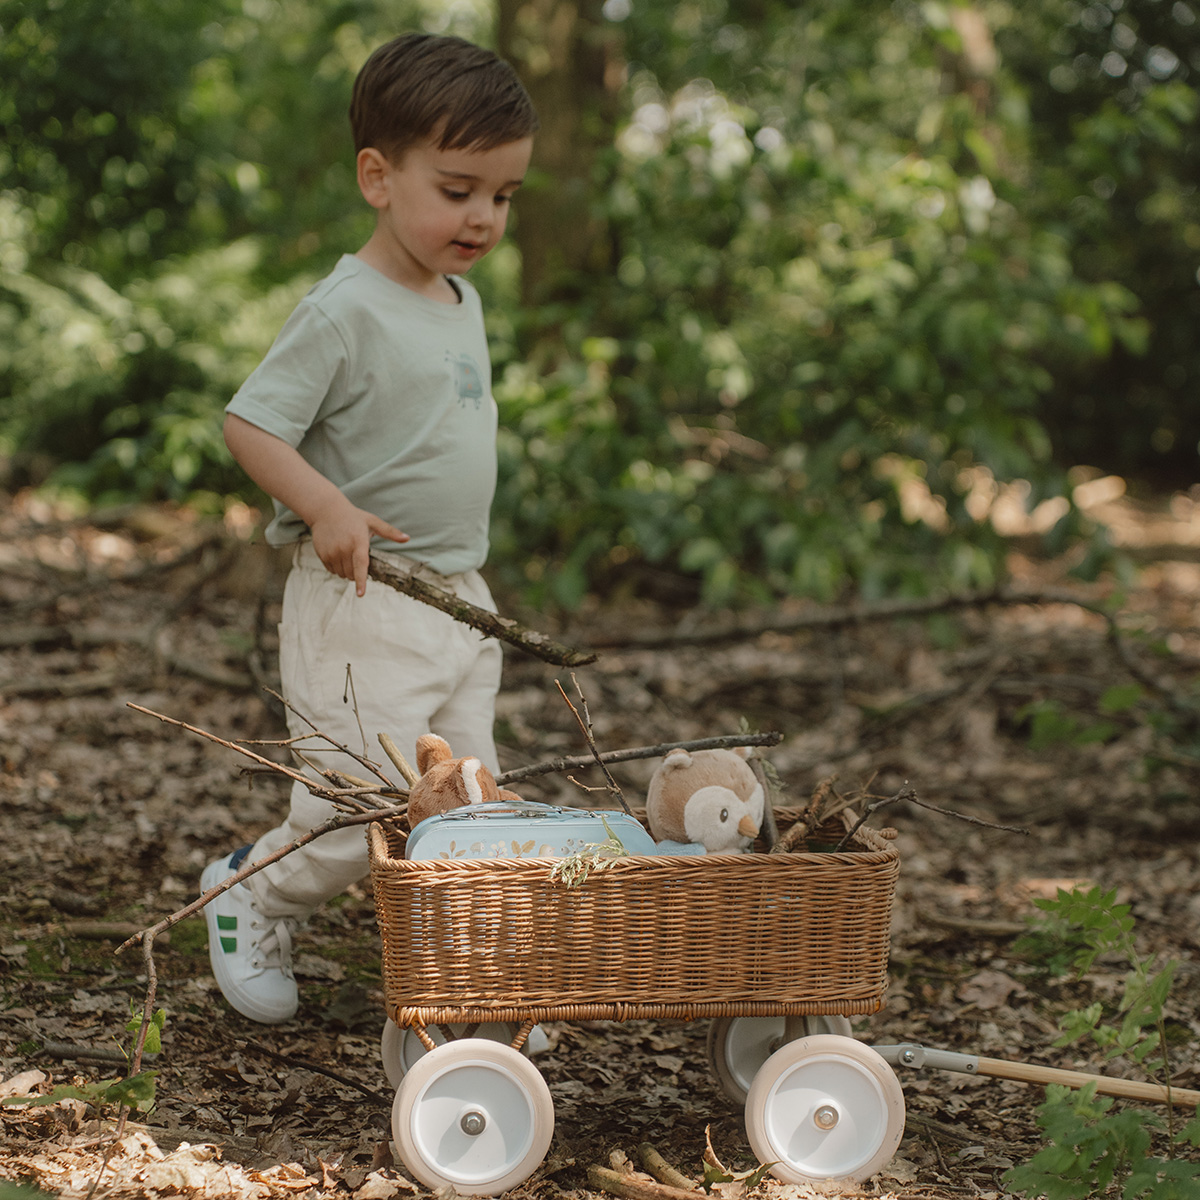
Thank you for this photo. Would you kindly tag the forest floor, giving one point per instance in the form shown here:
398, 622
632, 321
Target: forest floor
1027, 715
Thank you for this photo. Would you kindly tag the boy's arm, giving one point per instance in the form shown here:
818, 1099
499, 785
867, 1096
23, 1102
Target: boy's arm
341, 532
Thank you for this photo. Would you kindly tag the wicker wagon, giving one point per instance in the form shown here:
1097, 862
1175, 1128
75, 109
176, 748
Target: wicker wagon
777, 949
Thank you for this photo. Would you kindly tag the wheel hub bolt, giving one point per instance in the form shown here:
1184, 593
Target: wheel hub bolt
473, 1123
826, 1117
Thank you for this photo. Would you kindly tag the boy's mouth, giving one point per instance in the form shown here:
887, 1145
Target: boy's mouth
467, 247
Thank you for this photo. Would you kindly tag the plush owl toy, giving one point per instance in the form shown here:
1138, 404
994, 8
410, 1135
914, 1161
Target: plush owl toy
447, 782
707, 798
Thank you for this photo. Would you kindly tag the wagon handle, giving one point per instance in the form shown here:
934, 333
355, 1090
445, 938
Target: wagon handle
909, 1054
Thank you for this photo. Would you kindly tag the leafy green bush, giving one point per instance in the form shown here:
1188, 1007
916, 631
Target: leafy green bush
845, 287
823, 327
1089, 1146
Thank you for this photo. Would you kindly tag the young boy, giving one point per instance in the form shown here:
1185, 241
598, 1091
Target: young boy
372, 426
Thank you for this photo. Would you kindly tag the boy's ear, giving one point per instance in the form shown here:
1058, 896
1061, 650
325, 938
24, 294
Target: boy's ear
372, 177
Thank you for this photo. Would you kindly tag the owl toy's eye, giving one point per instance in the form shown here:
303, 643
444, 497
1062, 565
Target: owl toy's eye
724, 815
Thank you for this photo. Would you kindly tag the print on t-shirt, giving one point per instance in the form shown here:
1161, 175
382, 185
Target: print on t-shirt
468, 382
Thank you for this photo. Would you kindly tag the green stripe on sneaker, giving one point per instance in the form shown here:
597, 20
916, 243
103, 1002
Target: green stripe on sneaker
226, 922
229, 945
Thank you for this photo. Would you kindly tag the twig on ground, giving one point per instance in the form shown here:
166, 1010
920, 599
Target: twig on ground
891, 610
426, 585
71, 1052
291, 1061
630, 1187
662, 1170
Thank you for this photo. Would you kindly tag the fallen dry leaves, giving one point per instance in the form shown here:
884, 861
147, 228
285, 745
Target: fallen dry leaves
108, 817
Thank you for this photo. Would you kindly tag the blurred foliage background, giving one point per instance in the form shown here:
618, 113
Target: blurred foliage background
794, 292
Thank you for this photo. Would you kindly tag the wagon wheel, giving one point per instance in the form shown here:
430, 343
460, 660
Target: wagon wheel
825, 1107
473, 1115
400, 1048
738, 1046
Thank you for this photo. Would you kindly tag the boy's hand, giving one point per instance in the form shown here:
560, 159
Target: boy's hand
342, 540
341, 532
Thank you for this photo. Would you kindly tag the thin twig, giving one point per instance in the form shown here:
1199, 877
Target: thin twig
340, 821
558, 765
819, 809
586, 727
362, 759
370, 1093
909, 793
362, 733
401, 763
333, 795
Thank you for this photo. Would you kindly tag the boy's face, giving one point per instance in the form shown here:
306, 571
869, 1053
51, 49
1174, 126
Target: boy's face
438, 211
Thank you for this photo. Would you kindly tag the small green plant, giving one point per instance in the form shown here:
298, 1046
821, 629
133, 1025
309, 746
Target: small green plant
133, 1091
1052, 725
1090, 1148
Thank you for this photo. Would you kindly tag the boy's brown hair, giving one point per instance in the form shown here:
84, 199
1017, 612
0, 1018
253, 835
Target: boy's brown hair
422, 86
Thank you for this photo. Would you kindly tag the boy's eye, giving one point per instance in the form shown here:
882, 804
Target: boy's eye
452, 194
504, 199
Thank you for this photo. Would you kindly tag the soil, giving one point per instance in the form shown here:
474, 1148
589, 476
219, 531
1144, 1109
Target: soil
1079, 734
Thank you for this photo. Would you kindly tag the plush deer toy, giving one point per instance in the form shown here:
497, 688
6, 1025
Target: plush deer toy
447, 782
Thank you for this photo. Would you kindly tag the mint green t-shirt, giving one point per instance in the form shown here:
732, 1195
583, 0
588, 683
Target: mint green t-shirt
388, 394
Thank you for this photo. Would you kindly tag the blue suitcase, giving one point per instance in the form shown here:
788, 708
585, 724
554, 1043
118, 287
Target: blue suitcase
524, 830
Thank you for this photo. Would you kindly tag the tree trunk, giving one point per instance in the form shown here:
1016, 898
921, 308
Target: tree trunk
566, 55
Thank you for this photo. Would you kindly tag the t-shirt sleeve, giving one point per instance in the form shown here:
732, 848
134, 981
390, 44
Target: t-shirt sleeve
302, 378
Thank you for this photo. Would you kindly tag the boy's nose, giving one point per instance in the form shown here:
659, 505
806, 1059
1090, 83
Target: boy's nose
481, 216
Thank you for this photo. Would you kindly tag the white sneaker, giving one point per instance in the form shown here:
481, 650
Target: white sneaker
251, 954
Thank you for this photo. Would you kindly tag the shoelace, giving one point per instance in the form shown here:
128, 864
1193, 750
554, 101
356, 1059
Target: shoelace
273, 950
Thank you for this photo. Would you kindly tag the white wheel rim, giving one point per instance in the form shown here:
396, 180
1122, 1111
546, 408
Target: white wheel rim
474, 1115
739, 1046
825, 1107
401, 1048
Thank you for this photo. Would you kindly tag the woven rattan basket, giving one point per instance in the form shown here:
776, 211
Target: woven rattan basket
687, 937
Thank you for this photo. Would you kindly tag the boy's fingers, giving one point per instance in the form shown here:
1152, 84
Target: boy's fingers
383, 529
359, 570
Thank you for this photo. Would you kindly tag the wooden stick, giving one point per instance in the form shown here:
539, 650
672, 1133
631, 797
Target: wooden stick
662, 1170
618, 756
632, 1188
770, 827
398, 760
813, 815
426, 585
69, 1050
1127, 1089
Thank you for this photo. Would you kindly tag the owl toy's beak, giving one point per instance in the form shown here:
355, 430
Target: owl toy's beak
747, 827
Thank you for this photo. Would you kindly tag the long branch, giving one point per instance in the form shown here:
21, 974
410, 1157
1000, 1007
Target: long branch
426, 585
575, 763
340, 821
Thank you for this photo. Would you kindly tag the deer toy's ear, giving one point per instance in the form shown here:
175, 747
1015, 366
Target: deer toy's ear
676, 759
431, 750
